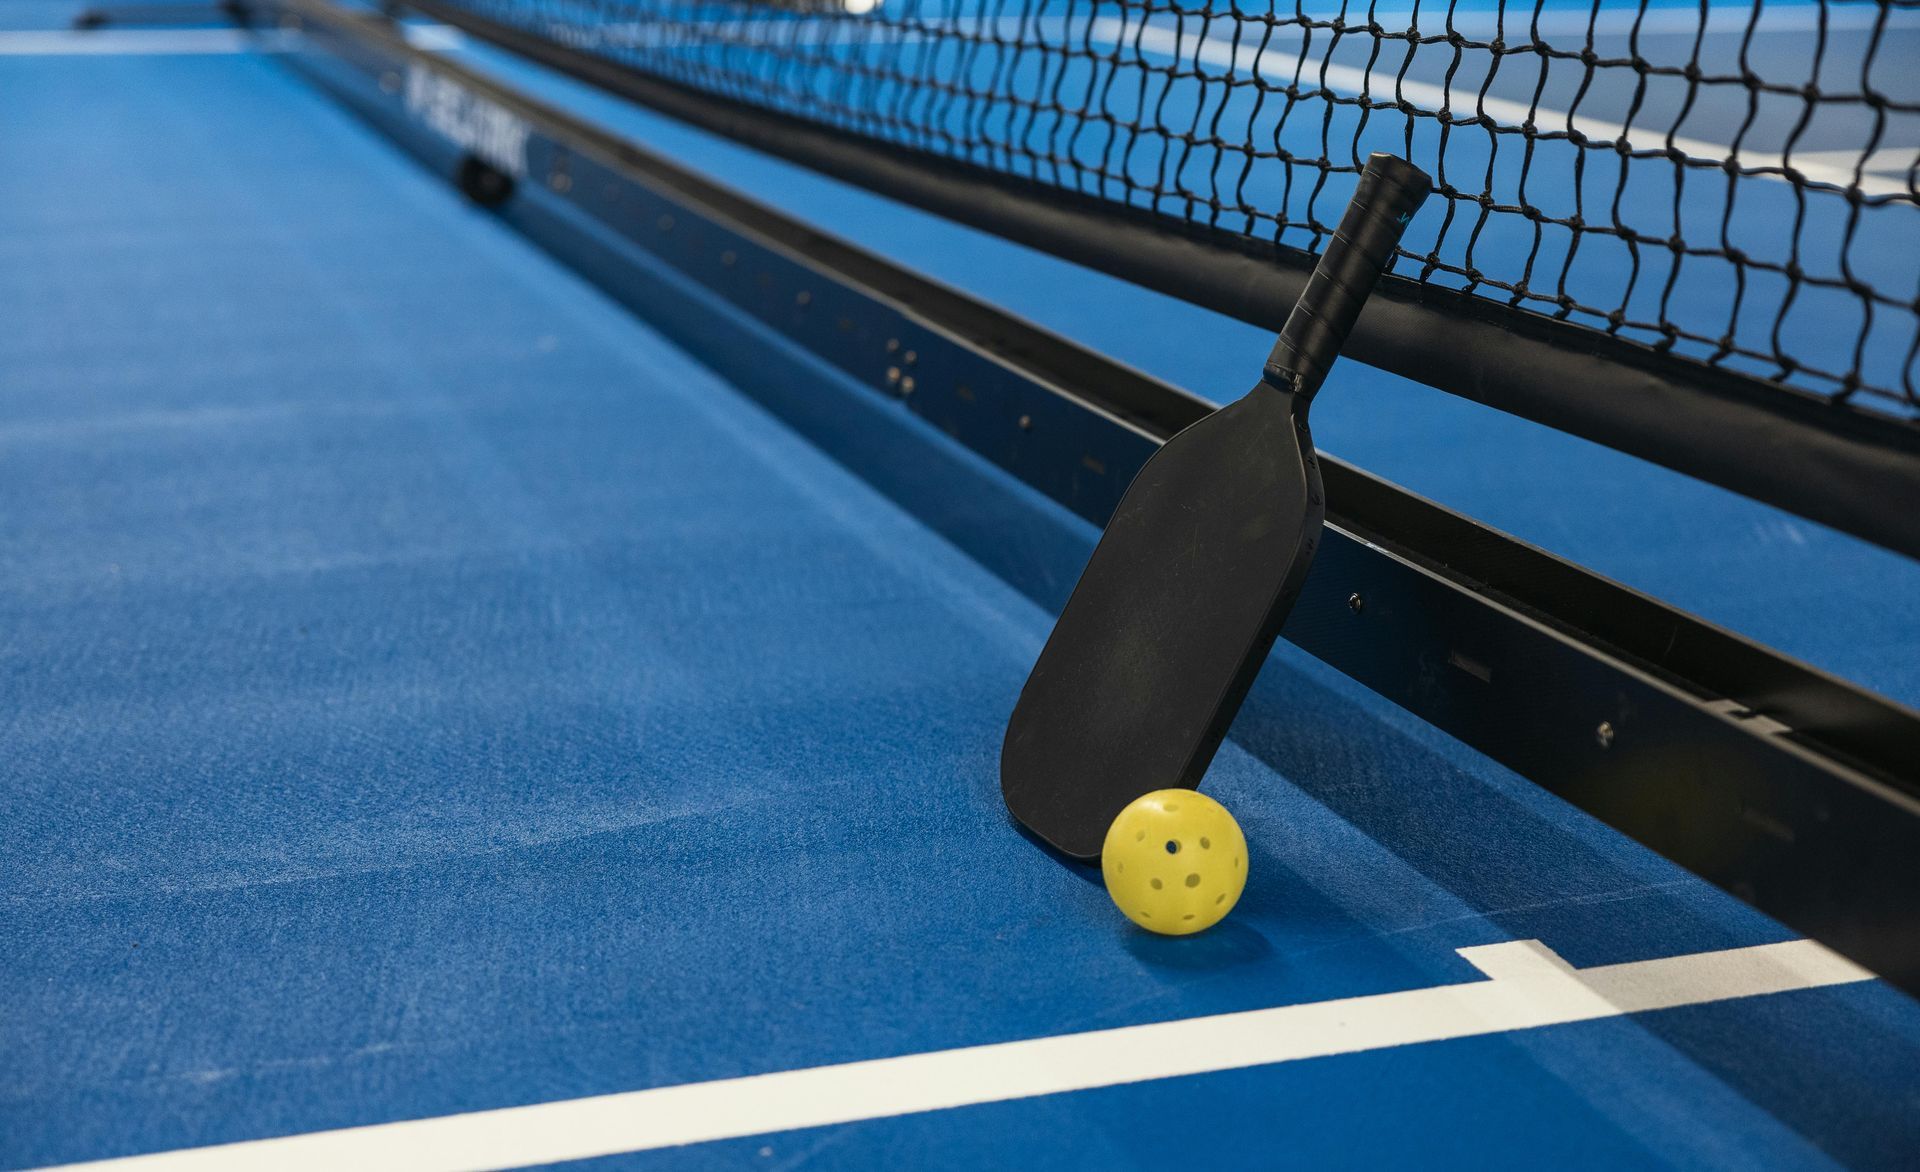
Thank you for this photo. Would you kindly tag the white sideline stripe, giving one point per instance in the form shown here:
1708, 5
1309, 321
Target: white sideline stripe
1218, 50
733, 31
126, 42
1725, 19
195, 42
434, 38
1886, 160
1528, 987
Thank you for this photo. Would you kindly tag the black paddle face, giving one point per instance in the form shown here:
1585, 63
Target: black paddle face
1172, 618
1194, 576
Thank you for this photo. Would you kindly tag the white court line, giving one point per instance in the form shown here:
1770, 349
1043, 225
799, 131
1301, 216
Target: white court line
1724, 19
127, 43
1219, 50
1892, 161
1528, 987
199, 42
434, 38
731, 32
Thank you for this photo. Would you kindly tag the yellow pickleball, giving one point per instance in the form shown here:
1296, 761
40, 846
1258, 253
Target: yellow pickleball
1175, 861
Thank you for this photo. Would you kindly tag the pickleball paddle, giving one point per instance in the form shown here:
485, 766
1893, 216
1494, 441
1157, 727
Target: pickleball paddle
1196, 571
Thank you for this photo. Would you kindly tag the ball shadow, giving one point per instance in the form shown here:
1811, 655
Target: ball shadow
1224, 945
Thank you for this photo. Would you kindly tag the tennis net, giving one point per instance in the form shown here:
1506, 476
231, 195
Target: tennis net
1736, 185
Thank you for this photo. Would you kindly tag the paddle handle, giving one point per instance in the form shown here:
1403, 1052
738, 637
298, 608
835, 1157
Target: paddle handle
1390, 191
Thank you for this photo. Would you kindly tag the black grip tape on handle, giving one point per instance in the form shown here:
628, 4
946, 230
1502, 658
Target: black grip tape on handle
1390, 191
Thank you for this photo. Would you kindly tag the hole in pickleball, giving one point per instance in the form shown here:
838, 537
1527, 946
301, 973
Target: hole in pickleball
1236, 862
1193, 881
1204, 844
1173, 846
1221, 898
1170, 807
1156, 884
1140, 836
1119, 868
1188, 916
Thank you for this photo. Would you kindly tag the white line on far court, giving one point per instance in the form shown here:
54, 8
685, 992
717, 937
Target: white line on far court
190, 42
1219, 49
1528, 986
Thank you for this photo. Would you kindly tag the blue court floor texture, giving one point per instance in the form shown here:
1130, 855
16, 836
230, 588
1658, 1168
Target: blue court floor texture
444, 724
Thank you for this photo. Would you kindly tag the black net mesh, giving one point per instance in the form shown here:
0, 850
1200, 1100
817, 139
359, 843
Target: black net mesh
1734, 185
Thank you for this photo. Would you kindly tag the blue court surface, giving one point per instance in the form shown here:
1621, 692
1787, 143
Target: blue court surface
443, 724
